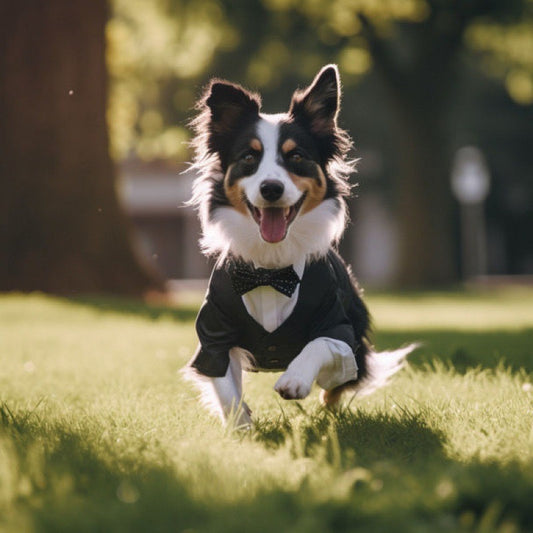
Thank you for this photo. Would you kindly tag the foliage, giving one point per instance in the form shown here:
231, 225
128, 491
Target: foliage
99, 433
153, 49
507, 53
161, 52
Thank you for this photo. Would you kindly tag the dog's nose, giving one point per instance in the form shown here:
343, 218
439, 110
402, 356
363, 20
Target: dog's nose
271, 190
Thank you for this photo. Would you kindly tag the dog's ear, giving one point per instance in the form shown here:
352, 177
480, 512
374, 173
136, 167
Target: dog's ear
318, 105
230, 105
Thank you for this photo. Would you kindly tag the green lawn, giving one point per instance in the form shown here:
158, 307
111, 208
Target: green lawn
99, 432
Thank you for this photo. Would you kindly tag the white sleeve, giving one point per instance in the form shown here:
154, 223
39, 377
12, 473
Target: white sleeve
343, 367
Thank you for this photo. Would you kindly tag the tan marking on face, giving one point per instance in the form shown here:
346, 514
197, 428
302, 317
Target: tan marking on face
288, 145
234, 193
255, 144
316, 190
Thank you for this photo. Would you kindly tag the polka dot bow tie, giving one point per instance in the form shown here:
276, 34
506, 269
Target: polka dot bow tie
245, 278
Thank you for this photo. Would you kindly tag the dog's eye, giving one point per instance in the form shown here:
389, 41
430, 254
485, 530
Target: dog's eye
295, 157
249, 158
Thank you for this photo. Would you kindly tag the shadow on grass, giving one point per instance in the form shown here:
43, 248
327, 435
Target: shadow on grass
401, 462
63, 481
464, 350
355, 437
131, 306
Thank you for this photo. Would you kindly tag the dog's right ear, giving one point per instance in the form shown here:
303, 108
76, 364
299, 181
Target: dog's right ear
230, 106
318, 105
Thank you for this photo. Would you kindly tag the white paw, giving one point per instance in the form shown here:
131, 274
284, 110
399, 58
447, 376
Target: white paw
292, 386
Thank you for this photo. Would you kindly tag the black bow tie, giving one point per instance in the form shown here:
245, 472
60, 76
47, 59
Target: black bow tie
245, 278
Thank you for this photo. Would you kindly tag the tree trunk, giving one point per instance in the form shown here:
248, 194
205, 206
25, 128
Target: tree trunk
425, 204
61, 227
419, 83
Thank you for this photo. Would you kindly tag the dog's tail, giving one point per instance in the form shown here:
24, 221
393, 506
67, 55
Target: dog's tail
380, 367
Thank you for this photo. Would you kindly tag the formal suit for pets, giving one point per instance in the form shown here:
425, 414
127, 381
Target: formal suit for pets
328, 306
271, 198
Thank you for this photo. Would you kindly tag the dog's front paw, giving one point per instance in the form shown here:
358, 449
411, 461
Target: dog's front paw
291, 386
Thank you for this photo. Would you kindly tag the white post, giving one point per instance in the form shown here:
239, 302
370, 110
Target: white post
470, 182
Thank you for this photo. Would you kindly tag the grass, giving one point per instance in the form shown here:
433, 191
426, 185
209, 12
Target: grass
98, 431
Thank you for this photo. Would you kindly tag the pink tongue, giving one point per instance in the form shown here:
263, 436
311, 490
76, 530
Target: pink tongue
273, 225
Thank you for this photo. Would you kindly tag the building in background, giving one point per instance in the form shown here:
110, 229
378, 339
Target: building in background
154, 195
166, 230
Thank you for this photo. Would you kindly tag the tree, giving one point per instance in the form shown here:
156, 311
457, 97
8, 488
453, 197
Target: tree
61, 227
419, 64
414, 47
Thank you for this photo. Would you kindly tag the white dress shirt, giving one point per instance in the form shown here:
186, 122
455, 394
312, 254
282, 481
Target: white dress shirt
270, 308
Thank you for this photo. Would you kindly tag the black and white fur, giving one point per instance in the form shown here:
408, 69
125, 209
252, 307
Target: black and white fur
249, 162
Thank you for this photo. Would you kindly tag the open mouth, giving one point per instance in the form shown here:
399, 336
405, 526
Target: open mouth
274, 222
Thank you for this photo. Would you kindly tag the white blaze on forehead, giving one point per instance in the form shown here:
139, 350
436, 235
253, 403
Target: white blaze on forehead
268, 133
269, 167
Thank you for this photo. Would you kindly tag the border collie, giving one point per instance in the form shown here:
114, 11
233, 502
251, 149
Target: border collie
271, 196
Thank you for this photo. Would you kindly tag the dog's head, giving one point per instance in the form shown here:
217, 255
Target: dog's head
271, 187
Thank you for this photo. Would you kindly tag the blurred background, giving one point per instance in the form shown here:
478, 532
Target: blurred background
95, 98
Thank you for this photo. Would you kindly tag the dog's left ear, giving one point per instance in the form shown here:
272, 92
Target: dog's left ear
230, 104
318, 105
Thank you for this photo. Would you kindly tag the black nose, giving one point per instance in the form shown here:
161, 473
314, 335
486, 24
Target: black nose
271, 190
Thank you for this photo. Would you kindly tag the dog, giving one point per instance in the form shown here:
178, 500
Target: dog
271, 195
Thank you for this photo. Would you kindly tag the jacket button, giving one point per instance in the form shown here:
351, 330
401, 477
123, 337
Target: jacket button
272, 348
274, 361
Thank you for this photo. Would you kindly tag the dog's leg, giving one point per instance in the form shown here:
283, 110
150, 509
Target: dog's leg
227, 393
223, 396
316, 360
331, 398
380, 367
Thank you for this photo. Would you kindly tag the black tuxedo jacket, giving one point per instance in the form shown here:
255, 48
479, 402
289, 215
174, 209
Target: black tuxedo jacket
328, 306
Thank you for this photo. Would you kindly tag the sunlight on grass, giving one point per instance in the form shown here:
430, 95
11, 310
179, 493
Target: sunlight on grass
509, 309
98, 431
